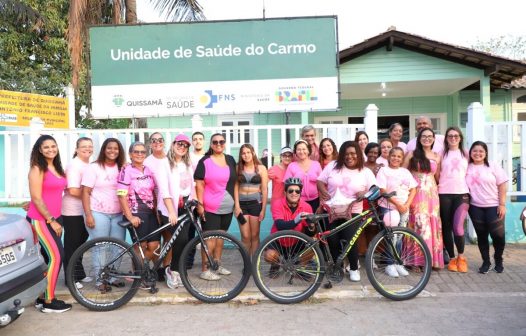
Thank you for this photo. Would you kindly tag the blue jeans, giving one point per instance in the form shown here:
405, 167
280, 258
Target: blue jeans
105, 226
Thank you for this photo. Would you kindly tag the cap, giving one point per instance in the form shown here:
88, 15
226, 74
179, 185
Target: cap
285, 150
182, 137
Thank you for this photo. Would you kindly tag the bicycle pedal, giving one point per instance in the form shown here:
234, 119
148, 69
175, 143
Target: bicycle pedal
153, 290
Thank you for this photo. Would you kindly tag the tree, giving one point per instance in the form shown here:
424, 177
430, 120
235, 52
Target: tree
33, 52
179, 10
509, 46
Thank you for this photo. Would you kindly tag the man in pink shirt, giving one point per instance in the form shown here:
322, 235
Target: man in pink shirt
421, 123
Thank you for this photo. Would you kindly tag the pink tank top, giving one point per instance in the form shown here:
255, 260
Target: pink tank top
52, 189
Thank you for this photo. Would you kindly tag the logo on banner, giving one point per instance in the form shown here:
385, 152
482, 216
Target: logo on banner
118, 100
296, 95
209, 98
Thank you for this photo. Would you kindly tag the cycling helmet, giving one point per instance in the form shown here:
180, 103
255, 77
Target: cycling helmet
293, 181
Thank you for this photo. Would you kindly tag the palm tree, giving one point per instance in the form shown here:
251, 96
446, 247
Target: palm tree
83, 13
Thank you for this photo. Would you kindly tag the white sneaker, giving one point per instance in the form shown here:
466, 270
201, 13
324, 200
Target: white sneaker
177, 277
401, 270
87, 279
209, 275
170, 281
79, 285
354, 275
391, 271
223, 271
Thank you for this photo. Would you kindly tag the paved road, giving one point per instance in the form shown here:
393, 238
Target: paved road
446, 314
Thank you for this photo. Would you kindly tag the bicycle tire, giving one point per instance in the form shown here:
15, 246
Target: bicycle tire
91, 255
289, 279
415, 257
234, 258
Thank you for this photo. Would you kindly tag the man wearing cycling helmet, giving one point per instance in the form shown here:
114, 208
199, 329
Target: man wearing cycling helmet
288, 214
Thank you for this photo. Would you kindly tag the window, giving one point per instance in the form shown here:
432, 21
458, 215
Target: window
238, 132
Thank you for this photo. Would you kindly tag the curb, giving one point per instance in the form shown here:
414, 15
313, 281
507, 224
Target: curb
247, 296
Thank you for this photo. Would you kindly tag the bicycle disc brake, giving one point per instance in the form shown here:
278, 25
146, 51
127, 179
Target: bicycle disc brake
334, 273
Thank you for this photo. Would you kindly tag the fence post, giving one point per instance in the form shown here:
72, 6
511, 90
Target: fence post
370, 122
475, 127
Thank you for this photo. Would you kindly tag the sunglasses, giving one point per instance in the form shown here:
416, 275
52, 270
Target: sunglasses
296, 191
157, 140
182, 144
139, 152
218, 142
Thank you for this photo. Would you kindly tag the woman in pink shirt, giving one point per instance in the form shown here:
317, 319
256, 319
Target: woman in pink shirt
47, 181
385, 147
328, 152
454, 198
276, 173
175, 181
341, 183
75, 233
395, 133
102, 211
308, 171
488, 185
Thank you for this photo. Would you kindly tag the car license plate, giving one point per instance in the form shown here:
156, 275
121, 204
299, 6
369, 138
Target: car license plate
7, 256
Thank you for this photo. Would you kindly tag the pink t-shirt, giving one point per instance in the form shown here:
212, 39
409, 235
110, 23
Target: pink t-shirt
52, 189
155, 165
72, 206
309, 178
453, 173
383, 161
438, 145
276, 174
483, 182
402, 145
400, 180
167, 180
348, 181
139, 188
103, 181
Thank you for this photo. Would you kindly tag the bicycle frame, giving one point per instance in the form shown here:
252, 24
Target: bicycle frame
182, 220
363, 220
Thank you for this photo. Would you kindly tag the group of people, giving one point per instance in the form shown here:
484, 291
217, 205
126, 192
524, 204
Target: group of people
437, 183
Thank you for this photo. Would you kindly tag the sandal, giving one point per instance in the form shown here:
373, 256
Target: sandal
104, 288
117, 283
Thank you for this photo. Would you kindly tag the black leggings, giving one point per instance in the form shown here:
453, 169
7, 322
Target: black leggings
335, 244
486, 222
75, 234
180, 241
453, 212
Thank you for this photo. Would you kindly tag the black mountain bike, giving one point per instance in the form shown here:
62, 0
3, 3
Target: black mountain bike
289, 266
113, 266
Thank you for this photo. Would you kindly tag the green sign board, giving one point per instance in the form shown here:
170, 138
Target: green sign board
214, 67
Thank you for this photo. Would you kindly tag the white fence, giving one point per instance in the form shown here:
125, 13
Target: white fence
17, 145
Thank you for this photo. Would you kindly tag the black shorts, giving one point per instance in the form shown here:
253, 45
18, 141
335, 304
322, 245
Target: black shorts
216, 222
148, 225
250, 208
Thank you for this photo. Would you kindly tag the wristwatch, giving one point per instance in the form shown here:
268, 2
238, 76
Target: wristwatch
51, 220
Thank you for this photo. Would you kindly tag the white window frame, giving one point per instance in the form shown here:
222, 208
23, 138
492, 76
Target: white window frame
439, 127
235, 134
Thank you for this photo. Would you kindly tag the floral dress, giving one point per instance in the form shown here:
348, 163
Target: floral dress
424, 216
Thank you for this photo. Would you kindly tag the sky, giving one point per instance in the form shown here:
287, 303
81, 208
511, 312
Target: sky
458, 22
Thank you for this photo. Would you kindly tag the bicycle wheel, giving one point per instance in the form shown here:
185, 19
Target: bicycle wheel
284, 269
216, 286
412, 274
106, 285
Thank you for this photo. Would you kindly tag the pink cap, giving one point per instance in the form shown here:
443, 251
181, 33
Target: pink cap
182, 137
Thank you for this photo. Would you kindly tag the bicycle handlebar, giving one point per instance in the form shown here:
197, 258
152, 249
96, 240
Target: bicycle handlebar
313, 218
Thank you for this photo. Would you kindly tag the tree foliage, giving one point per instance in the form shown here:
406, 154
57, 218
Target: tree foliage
33, 52
508, 46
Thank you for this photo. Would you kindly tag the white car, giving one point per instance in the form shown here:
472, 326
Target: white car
22, 267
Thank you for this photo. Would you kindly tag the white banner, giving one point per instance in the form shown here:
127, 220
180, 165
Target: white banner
276, 95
